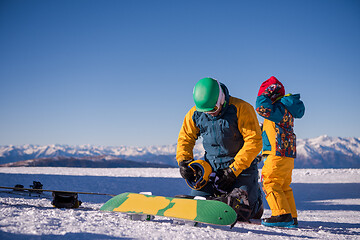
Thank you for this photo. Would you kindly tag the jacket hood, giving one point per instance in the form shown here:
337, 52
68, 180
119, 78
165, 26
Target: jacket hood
294, 105
271, 81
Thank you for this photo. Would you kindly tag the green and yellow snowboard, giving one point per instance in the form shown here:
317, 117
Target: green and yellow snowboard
203, 211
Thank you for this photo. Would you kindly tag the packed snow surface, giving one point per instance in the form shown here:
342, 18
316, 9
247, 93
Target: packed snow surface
328, 202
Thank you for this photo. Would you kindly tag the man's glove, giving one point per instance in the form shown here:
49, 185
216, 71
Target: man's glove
226, 179
185, 171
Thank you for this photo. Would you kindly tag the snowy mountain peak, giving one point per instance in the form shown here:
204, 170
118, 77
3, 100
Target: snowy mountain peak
320, 152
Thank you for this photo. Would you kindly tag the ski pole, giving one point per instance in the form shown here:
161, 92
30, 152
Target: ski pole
45, 190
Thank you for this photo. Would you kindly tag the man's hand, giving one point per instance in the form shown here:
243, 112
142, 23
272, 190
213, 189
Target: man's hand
226, 179
185, 171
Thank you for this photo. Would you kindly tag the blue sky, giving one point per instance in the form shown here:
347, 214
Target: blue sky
122, 72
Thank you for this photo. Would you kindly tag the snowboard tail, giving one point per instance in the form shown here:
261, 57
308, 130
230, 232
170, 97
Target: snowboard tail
204, 211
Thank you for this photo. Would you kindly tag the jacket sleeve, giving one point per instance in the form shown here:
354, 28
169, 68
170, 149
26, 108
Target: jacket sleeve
269, 110
187, 138
250, 129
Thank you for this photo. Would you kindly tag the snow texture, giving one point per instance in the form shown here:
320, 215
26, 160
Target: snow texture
328, 202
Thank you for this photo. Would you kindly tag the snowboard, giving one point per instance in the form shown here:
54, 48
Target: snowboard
203, 211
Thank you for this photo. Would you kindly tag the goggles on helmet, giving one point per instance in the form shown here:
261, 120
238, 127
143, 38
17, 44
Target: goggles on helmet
220, 101
215, 109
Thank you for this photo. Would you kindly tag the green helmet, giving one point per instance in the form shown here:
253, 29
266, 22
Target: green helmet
206, 94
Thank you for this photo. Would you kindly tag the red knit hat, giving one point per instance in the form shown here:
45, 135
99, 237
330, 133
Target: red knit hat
269, 82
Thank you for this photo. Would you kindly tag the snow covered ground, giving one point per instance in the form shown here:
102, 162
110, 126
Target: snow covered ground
328, 202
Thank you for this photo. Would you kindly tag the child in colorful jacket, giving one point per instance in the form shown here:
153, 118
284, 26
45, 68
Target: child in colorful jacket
279, 150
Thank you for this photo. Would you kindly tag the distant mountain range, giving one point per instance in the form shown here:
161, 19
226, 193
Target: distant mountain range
320, 152
328, 152
86, 162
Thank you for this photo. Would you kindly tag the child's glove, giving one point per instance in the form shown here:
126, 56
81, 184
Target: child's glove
273, 91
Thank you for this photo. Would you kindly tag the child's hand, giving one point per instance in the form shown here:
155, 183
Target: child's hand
273, 91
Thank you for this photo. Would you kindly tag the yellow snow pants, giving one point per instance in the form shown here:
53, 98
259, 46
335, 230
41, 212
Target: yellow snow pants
276, 179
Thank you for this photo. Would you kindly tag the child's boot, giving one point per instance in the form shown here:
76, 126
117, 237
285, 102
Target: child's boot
295, 224
283, 220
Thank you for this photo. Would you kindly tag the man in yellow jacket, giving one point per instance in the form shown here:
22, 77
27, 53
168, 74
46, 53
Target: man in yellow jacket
231, 138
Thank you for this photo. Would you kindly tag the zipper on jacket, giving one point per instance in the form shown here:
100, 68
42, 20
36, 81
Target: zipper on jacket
214, 126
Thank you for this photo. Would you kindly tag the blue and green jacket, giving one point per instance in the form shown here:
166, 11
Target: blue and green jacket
278, 128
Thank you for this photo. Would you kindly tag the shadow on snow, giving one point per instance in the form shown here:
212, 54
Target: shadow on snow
308, 196
11, 236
